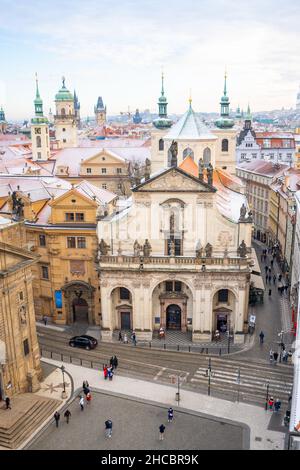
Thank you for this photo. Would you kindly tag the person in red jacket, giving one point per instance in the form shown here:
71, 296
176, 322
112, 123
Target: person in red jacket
105, 371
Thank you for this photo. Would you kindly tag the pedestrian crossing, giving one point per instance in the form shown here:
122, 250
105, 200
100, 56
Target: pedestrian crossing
251, 383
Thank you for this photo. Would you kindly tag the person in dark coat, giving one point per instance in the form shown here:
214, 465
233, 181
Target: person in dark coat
270, 292
261, 337
115, 362
275, 356
67, 415
274, 278
57, 418
266, 269
120, 336
7, 402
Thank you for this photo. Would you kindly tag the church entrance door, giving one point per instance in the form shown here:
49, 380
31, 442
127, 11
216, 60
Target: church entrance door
125, 320
80, 310
173, 317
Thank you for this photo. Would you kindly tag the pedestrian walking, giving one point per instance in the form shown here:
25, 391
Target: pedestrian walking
279, 277
270, 270
111, 362
110, 373
161, 432
274, 279
85, 384
272, 262
81, 402
285, 356
275, 356
277, 405
270, 279
267, 278
170, 415
45, 319
57, 418
86, 390
271, 403
261, 337
108, 428
266, 269
105, 371
88, 398
133, 337
67, 415
271, 356
125, 339
7, 402
270, 292
120, 336
115, 362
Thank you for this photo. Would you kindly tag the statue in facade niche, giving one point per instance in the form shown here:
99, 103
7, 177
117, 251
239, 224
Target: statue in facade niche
172, 248
103, 247
208, 250
210, 173
201, 167
243, 212
174, 152
147, 248
199, 250
147, 171
250, 217
242, 249
136, 248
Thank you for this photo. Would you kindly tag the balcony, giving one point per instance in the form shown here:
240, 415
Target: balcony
174, 263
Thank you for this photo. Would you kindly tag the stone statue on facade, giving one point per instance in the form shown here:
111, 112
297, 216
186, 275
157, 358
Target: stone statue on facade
199, 250
147, 248
250, 217
201, 167
172, 248
147, 171
174, 152
208, 250
103, 247
17, 205
136, 248
210, 173
136, 174
243, 212
242, 249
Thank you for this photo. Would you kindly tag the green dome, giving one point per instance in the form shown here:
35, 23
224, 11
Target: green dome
162, 99
64, 94
162, 123
224, 123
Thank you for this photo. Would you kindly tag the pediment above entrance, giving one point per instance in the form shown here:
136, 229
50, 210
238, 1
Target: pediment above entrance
173, 179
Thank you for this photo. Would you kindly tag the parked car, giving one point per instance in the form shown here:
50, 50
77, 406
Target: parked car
83, 341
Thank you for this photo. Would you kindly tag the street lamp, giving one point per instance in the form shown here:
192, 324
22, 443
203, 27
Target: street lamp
209, 375
267, 396
62, 368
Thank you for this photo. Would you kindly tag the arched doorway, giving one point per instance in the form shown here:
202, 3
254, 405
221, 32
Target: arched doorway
80, 310
173, 317
121, 300
79, 302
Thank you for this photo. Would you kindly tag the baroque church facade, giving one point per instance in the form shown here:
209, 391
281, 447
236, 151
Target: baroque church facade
178, 255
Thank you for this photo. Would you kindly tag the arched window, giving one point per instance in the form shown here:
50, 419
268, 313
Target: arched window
225, 145
206, 156
63, 111
38, 141
160, 144
188, 152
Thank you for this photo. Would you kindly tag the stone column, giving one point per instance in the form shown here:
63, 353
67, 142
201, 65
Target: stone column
106, 311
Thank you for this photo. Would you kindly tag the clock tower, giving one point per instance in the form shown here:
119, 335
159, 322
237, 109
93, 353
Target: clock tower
65, 119
40, 141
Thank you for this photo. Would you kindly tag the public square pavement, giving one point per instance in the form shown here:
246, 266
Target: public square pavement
135, 426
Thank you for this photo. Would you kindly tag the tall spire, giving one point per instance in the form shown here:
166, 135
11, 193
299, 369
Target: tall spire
38, 102
224, 120
162, 84
190, 99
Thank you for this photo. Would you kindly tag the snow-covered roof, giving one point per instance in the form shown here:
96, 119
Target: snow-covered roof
190, 127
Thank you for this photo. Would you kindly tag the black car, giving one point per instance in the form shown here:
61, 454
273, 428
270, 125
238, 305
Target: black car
83, 341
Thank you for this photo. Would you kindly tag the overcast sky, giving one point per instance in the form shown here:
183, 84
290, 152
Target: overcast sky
117, 49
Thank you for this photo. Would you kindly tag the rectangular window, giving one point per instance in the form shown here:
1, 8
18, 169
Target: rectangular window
26, 347
21, 295
39, 155
71, 242
177, 286
42, 239
89, 170
223, 295
169, 286
124, 293
103, 170
79, 216
81, 242
69, 216
119, 171
45, 272
104, 186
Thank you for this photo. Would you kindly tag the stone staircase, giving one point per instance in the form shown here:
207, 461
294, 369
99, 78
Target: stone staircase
28, 413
